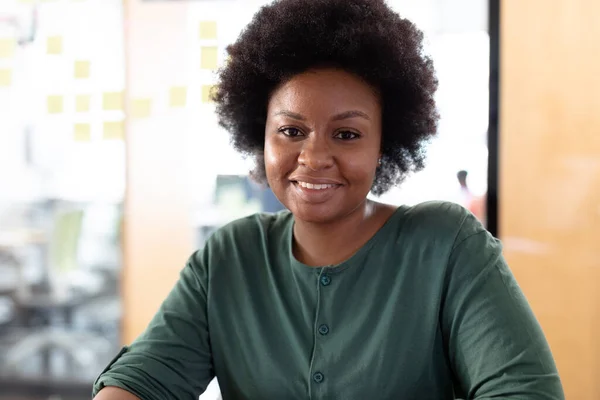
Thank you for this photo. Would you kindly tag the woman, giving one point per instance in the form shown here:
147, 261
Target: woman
341, 297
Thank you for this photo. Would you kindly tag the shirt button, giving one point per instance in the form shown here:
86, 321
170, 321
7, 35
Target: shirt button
323, 329
325, 280
318, 377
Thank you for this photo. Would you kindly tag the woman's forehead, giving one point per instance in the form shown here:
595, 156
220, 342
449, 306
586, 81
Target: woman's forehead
330, 88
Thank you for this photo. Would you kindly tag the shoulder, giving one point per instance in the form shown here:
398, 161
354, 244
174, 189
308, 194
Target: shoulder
240, 241
249, 231
454, 237
441, 221
450, 229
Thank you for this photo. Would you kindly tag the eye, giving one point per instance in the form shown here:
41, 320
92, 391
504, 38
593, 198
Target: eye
347, 135
291, 132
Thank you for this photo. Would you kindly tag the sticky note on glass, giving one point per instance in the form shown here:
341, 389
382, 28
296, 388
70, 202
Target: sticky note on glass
5, 77
82, 102
178, 96
82, 69
55, 104
141, 108
82, 133
208, 29
114, 130
112, 101
208, 57
54, 45
7, 47
206, 92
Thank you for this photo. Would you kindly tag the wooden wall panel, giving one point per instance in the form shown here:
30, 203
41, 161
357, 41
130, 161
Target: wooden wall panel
158, 235
549, 216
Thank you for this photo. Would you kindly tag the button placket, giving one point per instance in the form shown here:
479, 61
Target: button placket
322, 330
325, 281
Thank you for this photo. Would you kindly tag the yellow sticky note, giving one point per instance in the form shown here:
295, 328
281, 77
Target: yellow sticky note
112, 101
114, 130
141, 108
178, 96
54, 45
82, 102
206, 92
82, 69
5, 77
208, 57
55, 104
7, 47
208, 29
82, 133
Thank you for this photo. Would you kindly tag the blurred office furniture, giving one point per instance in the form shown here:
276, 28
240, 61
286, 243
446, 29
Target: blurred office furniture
8, 284
235, 196
269, 202
58, 330
18, 236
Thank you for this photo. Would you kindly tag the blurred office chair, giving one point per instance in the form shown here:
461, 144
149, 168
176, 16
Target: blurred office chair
9, 278
65, 288
67, 277
17, 237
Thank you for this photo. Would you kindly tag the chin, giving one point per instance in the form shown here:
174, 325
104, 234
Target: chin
317, 214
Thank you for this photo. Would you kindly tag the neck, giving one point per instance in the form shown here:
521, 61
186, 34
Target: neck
320, 244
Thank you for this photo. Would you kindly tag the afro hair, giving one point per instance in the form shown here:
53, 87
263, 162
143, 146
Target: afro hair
364, 37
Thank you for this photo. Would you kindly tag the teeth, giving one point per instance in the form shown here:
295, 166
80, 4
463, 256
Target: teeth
315, 186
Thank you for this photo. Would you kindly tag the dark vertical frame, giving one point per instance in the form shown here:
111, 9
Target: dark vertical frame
494, 111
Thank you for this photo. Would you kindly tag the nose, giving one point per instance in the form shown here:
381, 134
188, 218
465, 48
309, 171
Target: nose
316, 154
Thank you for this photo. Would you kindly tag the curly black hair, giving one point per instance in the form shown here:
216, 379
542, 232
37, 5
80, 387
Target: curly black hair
364, 37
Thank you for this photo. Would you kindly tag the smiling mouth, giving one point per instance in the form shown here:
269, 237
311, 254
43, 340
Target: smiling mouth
315, 193
315, 186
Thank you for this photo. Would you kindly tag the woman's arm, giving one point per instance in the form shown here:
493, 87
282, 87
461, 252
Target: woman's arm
494, 343
172, 358
115, 393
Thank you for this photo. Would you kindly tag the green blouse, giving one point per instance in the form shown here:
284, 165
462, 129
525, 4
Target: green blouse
426, 309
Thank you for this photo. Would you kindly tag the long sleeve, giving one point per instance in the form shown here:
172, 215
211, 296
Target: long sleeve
172, 358
494, 342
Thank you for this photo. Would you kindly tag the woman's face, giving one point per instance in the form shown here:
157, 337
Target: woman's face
322, 143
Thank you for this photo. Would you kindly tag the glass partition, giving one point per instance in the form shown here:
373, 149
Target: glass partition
62, 183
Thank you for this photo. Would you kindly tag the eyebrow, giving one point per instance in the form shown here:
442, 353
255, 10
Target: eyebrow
291, 115
337, 117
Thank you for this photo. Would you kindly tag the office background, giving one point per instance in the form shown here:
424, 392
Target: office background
113, 168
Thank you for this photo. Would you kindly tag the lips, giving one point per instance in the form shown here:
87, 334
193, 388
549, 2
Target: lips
315, 190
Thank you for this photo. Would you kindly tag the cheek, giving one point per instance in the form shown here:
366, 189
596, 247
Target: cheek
276, 160
360, 167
